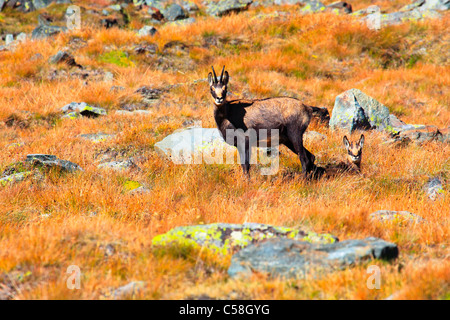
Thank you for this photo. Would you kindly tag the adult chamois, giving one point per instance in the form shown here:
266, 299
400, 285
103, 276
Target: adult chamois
288, 115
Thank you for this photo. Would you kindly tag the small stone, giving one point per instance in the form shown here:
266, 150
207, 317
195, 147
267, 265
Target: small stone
127, 291
174, 12
435, 188
147, 31
398, 217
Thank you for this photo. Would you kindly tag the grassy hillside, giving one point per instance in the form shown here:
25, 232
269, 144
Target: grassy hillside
62, 219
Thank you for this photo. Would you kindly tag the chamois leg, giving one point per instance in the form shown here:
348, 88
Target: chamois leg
306, 157
244, 154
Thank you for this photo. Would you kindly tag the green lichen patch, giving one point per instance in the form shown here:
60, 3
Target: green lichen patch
226, 239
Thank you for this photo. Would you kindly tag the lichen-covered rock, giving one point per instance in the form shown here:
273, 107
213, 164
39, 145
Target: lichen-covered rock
340, 7
435, 188
313, 7
440, 5
221, 8
83, 109
288, 258
20, 176
51, 161
354, 110
227, 238
397, 217
44, 31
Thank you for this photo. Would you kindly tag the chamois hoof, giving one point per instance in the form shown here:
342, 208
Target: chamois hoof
315, 173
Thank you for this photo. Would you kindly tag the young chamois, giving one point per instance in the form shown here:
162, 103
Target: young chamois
352, 163
290, 116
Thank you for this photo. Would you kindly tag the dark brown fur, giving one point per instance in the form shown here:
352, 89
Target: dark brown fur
290, 116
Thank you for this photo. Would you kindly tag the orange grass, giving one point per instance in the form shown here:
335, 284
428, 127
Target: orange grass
68, 219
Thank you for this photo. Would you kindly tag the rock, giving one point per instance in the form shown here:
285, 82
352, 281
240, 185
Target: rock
440, 5
368, 10
9, 39
20, 176
140, 190
119, 165
134, 112
109, 23
189, 6
127, 291
146, 48
183, 22
115, 7
74, 109
340, 7
395, 18
45, 31
398, 217
227, 238
97, 137
283, 2
52, 161
174, 12
354, 110
288, 258
150, 94
147, 31
416, 133
193, 145
64, 57
2, 3
221, 8
313, 7
21, 37
435, 188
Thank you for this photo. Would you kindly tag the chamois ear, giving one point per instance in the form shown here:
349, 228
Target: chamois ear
346, 142
361, 141
210, 79
225, 78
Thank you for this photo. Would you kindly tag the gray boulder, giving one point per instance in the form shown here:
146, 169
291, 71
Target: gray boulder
288, 258
221, 8
174, 12
228, 238
354, 110
440, 5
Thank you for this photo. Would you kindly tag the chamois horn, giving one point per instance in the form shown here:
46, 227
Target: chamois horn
221, 76
214, 72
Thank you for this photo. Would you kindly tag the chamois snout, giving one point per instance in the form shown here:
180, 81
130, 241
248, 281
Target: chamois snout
218, 87
354, 150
